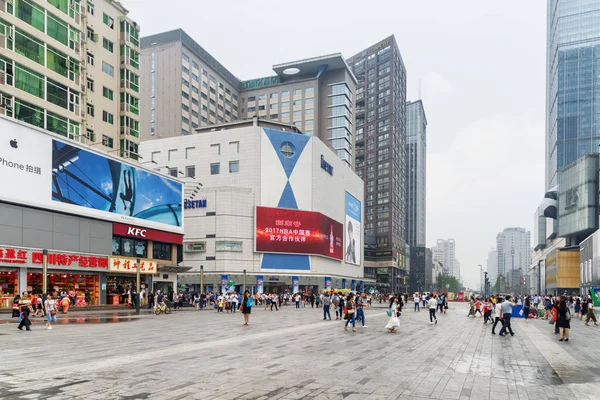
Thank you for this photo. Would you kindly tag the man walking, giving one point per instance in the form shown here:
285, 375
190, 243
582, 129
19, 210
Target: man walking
360, 305
326, 305
432, 308
416, 299
506, 308
498, 312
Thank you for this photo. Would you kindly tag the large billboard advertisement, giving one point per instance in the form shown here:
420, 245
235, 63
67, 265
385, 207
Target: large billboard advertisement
353, 230
282, 230
41, 170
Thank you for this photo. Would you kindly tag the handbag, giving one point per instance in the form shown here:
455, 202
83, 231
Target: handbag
351, 311
389, 312
568, 315
20, 317
52, 312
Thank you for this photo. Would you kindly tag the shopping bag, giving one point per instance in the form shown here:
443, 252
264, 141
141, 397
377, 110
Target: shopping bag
20, 317
521, 313
389, 312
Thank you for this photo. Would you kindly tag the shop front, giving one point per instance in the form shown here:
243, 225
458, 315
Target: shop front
21, 270
122, 277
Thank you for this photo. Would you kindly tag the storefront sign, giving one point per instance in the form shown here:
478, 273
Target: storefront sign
195, 247
145, 233
327, 282
260, 288
260, 82
228, 246
295, 285
34, 258
281, 230
187, 204
129, 265
326, 166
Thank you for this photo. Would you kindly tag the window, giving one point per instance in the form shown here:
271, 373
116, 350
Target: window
237, 146
298, 92
108, 21
185, 57
108, 45
285, 104
106, 92
285, 115
262, 97
107, 141
185, 95
185, 70
287, 149
274, 95
185, 132
215, 168
297, 103
173, 172
108, 69
91, 136
91, 35
285, 93
90, 84
90, 109
161, 251
234, 166
90, 8
90, 59
190, 171
309, 90
297, 114
195, 64
251, 98
107, 117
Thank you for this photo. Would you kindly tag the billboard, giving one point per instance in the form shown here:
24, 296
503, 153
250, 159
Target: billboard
282, 230
44, 171
353, 230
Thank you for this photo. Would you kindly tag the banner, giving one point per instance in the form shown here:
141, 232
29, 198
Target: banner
361, 286
129, 265
353, 287
353, 230
281, 230
260, 287
295, 284
43, 171
343, 283
327, 282
224, 279
461, 296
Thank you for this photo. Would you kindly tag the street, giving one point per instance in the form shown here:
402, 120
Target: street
292, 354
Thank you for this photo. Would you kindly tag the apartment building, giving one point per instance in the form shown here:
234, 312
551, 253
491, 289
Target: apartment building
72, 67
188, 89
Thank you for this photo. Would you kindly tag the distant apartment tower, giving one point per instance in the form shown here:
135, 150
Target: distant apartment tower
72, 67
186, 88
514, 254
445, 254
416, 168
492, 266
380, 151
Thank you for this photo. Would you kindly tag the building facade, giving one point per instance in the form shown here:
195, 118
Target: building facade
514, 255
444, 254
422, 276
492, 266
186, 88
72, 68
381, 159
573, 45
416, 173
273, 202
93, 213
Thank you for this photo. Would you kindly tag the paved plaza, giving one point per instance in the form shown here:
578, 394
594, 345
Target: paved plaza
293, 354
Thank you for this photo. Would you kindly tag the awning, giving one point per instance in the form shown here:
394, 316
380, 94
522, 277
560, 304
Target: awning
173, 268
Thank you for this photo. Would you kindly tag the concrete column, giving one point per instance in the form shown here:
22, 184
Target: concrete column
22, 279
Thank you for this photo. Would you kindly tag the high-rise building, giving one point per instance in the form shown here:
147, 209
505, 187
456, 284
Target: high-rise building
444, 254
573, 56
492, 266
380, 154
187, 88
72, 67
416, 168
514, 254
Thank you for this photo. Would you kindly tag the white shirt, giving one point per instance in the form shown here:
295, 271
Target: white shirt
432, 303
416, 299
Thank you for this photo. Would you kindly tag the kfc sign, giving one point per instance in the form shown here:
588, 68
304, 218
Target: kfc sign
145, 233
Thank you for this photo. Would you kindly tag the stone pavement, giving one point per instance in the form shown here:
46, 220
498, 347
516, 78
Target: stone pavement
296, 355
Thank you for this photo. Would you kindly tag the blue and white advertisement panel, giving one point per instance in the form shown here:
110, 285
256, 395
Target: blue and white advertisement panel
327, 282
361, 286
353, 230
260, 284
343, 283
353, 287
43, 170
224, 279
295, 285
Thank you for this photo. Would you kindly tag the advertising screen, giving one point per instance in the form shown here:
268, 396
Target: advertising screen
281, 230
353, 230
44, 171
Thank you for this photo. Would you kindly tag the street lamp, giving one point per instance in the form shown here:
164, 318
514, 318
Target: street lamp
137, 285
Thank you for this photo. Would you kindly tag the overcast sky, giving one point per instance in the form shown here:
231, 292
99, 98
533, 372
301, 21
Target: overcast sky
480, 67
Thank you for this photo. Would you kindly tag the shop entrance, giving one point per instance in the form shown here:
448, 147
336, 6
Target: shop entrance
164, 287
9, 287
118, 285
86, 287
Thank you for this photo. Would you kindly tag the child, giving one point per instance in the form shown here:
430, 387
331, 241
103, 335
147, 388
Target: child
220, 306
478, 308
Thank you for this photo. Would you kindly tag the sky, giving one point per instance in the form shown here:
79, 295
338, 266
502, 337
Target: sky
478, 67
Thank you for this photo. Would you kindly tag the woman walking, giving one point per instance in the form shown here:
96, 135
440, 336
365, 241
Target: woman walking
247, 304
350, 313
577, 306
526, 307
50, 311
563, 319
393, 323
590, 312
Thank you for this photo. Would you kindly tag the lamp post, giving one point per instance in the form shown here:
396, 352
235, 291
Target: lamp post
244, 289
45, 272
481, 277
202, 279
137, 285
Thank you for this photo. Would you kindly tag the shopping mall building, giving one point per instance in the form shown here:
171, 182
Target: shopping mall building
92, 213
270, 201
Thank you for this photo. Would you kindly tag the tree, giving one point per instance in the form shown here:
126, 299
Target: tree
454, 284
500, 284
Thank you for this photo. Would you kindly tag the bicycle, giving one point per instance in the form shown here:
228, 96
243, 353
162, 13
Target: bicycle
163, 307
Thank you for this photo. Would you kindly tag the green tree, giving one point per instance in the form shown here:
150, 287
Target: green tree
454, 284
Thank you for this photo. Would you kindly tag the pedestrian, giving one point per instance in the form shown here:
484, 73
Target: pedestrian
394, 323
471, 307
478, 308
564, 319
360, 305
432, 308
350, 313
506, 308
326, 305
50, 311
424, 300
150, 300
487, 311
297, 301
312, 301
25, 310
196, 301
498, 314
577, 306
590, 312
247, 304
526, 307
235, 300
440, 303
274, 301
337, 301
417, 302
65, 303
318, 300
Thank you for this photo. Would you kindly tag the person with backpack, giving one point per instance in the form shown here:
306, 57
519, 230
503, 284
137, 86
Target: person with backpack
247, 304
350, 313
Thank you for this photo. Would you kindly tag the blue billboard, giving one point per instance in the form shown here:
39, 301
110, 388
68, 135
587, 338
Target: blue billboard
87, 179
353, 230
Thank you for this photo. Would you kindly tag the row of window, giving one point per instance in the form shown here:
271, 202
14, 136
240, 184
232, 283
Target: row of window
286, 93
127, 247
